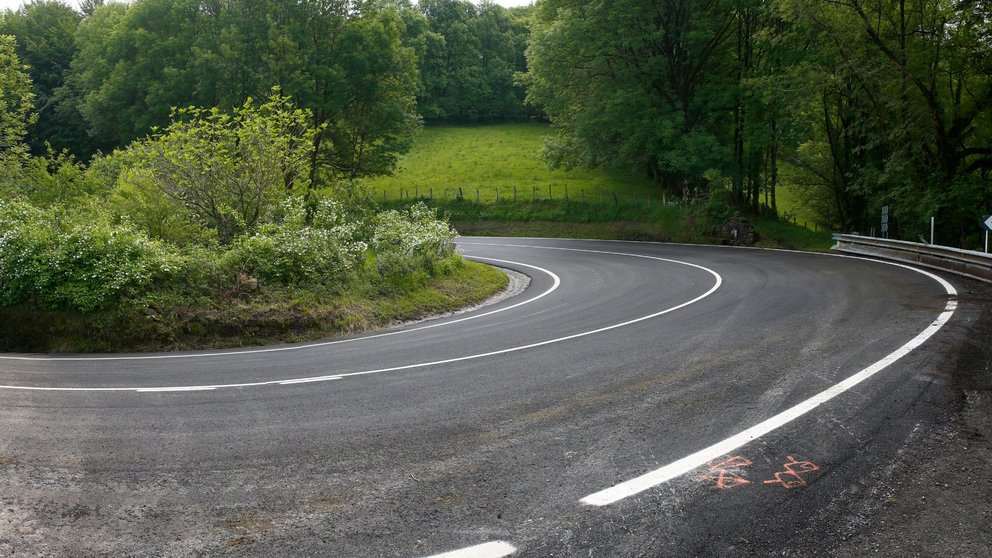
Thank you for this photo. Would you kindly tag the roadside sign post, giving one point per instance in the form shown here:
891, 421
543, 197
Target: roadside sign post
885, 221
987, 225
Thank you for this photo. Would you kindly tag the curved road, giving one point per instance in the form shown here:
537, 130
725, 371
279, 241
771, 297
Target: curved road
636, 399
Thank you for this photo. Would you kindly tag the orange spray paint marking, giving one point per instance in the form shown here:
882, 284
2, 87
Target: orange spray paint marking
791, 477
721, 474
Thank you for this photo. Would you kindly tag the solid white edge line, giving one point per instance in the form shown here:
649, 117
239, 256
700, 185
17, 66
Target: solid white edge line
716, 285
702, 457
550, 290
308, 380
495, 549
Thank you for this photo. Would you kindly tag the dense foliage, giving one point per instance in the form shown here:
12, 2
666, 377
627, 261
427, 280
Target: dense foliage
470, 55
863, 103
215, 206
366, 71
16, 99
860, 104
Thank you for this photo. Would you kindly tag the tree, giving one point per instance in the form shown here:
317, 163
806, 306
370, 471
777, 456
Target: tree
229, 170
343, 60
44, 31
913, 95
468, 62
16, 102
637, 83
135, 62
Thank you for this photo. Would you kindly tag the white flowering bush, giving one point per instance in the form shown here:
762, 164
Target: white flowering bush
25, 239
304, 246
83, 267
408, 239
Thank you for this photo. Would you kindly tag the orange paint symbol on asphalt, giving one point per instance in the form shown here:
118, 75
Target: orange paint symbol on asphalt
720, 472
791, 477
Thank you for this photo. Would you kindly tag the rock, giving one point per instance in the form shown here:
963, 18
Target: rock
247, 282
738, 231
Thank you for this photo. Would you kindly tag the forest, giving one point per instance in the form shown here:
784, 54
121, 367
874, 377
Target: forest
862, 103
158, 150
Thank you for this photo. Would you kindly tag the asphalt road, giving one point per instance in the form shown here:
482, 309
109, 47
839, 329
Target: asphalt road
501, 425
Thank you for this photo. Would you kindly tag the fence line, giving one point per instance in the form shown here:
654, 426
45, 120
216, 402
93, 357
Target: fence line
537, 193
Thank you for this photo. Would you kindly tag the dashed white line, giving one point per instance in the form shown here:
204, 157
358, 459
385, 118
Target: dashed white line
495, 549
686, 464
180, 388
308, 380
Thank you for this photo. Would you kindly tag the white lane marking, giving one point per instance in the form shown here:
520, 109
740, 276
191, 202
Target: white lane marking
716, 285
308, 380
686, 464
552, 289
495, 549
167, 389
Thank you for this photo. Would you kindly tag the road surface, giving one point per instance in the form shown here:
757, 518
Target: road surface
635, 400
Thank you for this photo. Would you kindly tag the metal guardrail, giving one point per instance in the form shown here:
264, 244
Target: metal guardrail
976, 265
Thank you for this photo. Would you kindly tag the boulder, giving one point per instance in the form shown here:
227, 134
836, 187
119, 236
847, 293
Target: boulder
738, 231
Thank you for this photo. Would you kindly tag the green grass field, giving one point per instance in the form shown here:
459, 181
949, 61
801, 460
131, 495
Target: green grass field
497, 161
497, 158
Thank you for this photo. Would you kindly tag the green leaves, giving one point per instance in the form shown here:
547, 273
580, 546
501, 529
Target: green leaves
82, 266
634, 84
230, 170
16, 104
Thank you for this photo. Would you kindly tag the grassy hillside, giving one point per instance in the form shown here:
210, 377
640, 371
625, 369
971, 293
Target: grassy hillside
496, 160
487, 158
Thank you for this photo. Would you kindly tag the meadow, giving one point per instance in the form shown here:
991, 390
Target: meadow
491, 180
487, 161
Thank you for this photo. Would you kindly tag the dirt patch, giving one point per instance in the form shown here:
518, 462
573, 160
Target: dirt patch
247, 523
236, 542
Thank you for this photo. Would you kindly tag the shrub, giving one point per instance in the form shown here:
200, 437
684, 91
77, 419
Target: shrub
25, 240
405, 240
292, 251
230, 169
81, 267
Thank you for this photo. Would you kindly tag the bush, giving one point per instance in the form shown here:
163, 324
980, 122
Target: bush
25, 240
405, 240
293, 251
76, 267
229, 170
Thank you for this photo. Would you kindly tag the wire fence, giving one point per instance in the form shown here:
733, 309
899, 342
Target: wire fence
509, 195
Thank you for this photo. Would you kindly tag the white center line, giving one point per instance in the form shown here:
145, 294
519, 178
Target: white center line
495, 549
180, 388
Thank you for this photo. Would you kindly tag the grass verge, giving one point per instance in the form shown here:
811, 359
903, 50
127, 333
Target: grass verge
277, 316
